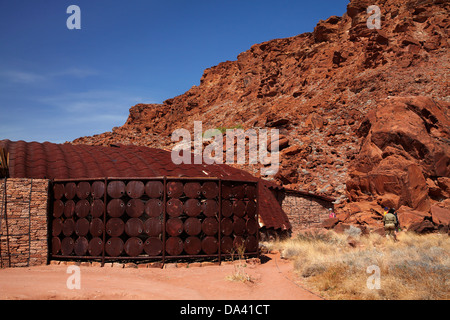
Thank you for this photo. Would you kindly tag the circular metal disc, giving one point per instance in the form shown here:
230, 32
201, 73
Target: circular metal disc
227, 208
68, 227
250, 192
210, 190
239, 191
210, 245
192, 207
226, 226
239, 226
135, 189
251, 209
82, 227
70, 190
67, 246
97, 208
58, 190
115, 208
69, 208
210, 226
57, 226
251, 244
227, 191
174, 246
174, 189
174, 207
58, 208
210, 208
115, 227
153, 246
154, 189
193, 189
81, 246
83, 189
96, 227
114, 246
192, 226
192, 245
239, 208
252, 226
116, 189
153, 227
174, 226
56, 245
154, 207
134, 227
95, 246
135, 208
98, 189
238, 242
82, 208
134, 246
226, 244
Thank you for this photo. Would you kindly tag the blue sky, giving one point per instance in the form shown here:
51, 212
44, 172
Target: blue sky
58, 84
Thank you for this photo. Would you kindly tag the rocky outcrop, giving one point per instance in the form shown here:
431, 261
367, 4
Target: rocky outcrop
363, 112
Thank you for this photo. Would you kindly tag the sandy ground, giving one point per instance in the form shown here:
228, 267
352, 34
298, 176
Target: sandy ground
272, 280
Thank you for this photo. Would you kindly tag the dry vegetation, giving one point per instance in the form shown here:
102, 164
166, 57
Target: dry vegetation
335, 265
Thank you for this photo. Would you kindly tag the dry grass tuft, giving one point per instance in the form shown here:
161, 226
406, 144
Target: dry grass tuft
239, 274
416, 267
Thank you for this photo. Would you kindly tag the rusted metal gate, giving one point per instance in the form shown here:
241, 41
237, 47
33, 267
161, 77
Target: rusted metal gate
152, 218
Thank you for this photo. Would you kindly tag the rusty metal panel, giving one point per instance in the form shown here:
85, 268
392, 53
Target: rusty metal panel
193, 189
116, 208
174, 207
134, 246
134, 227
153, 226
175, 189
210, 208
95, 247
82, 208
83, 189
210, 189
193, 226
154, 189
174, 246
135, 208
98, 189
82, 227
140, 218
192, 207
135, 189
153, 246
154, 207
116, 189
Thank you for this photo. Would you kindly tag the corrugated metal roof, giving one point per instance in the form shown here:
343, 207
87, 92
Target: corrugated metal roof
67, 161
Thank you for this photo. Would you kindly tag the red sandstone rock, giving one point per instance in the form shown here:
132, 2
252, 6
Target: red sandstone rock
440, 215
364, 106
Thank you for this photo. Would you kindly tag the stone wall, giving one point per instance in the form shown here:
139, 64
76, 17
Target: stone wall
23, 222
305, 211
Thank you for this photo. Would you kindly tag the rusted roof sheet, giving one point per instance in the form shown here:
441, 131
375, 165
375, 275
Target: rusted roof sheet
66, 161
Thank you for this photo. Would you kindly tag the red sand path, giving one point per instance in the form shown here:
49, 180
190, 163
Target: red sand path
273, 280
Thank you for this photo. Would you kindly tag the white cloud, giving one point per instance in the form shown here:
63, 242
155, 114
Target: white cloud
22, 77
27, 77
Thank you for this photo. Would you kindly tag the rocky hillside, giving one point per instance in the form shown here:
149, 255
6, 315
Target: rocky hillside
363, 113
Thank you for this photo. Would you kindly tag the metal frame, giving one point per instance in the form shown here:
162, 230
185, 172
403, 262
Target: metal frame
164, 237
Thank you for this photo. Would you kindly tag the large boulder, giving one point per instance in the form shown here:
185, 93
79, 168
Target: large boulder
440, 216
403, 146
408, 217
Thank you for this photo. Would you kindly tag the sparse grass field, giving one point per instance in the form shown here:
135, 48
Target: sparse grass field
416, 267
